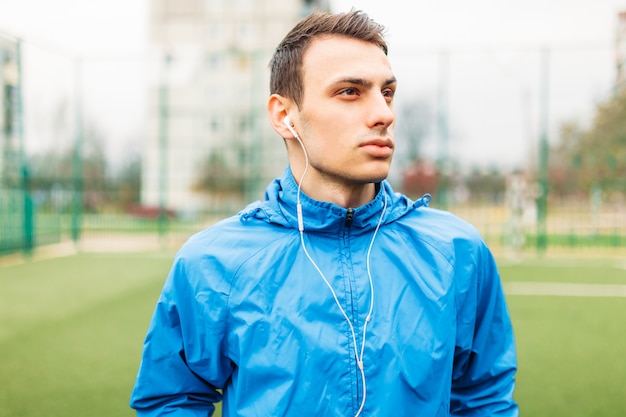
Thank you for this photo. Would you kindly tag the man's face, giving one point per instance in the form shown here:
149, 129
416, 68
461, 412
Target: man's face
347, 114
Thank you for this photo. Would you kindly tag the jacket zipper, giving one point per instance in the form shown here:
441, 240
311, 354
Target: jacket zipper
349, 217
352, 312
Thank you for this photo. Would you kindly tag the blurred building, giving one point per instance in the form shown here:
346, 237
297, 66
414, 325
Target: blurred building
209, 142
9, 111
620, 51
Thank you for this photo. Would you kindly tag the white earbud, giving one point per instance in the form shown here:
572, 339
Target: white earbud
287, 123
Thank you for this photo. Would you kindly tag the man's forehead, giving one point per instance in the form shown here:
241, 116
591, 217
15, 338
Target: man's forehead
334, 58
332, 45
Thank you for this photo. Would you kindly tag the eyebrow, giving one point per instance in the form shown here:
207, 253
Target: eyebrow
363, 82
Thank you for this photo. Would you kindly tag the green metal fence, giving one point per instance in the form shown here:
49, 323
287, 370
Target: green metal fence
68, 178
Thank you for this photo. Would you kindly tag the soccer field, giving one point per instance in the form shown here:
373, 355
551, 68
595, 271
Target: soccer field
71, 331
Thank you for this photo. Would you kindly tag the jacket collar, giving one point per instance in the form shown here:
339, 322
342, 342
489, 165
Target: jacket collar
280, 207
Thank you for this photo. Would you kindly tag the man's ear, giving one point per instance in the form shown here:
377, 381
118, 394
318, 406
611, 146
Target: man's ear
277, 108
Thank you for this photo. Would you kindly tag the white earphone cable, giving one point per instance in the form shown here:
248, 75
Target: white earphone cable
358, 354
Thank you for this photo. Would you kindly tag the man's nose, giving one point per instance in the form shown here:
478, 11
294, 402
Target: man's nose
381, 112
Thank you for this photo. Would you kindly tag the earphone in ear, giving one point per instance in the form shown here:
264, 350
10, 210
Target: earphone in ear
287, 123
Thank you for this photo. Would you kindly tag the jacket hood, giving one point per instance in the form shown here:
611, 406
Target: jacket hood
280, 202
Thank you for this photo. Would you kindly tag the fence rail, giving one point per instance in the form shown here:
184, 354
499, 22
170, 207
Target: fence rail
568, 226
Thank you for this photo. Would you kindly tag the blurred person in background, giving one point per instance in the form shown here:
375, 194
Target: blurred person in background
335, 296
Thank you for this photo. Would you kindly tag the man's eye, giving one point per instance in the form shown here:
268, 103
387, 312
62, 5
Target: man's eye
349, 92
388, 93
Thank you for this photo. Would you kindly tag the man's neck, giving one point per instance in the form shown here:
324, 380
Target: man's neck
342, 195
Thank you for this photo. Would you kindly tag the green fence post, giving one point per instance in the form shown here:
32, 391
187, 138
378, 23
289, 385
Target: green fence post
28, 234
542, 198
28, 231
255, 147
163, 145
77, 156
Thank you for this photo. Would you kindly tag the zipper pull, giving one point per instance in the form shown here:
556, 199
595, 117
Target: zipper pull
349, 217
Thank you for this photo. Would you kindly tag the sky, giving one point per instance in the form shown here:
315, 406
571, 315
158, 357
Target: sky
493, 22
475, 66
75, 26
480, 64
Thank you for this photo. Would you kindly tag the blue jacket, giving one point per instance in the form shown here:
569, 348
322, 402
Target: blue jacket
245, 314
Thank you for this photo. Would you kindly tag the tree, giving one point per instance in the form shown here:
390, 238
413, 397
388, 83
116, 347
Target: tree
54, 170
128, 182
486, 184
564, 174
597, 156
414, 120
219, 177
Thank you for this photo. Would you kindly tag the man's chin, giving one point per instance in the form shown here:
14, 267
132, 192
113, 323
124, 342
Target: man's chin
378, 174
375, 179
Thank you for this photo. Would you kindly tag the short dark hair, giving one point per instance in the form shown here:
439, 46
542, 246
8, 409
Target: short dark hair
286, 63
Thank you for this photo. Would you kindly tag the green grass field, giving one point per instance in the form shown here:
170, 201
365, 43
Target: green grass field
71, 331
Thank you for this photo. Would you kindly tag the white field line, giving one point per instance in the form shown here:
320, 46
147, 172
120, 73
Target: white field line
564, 289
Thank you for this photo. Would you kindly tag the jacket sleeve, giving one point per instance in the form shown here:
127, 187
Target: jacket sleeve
183, 365
485, 360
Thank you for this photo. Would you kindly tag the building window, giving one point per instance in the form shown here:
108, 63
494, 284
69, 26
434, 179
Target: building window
216, 32
244, 123
180, 7
244, 5
213, 124
213, 61
245, 33
214, 5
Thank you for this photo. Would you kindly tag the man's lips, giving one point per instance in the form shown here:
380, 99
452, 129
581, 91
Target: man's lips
386, 143
378, 147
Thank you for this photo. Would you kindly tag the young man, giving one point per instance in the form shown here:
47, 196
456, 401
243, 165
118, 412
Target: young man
335, 296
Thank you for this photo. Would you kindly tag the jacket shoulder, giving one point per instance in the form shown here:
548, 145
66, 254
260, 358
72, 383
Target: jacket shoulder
443, 230
228, 244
